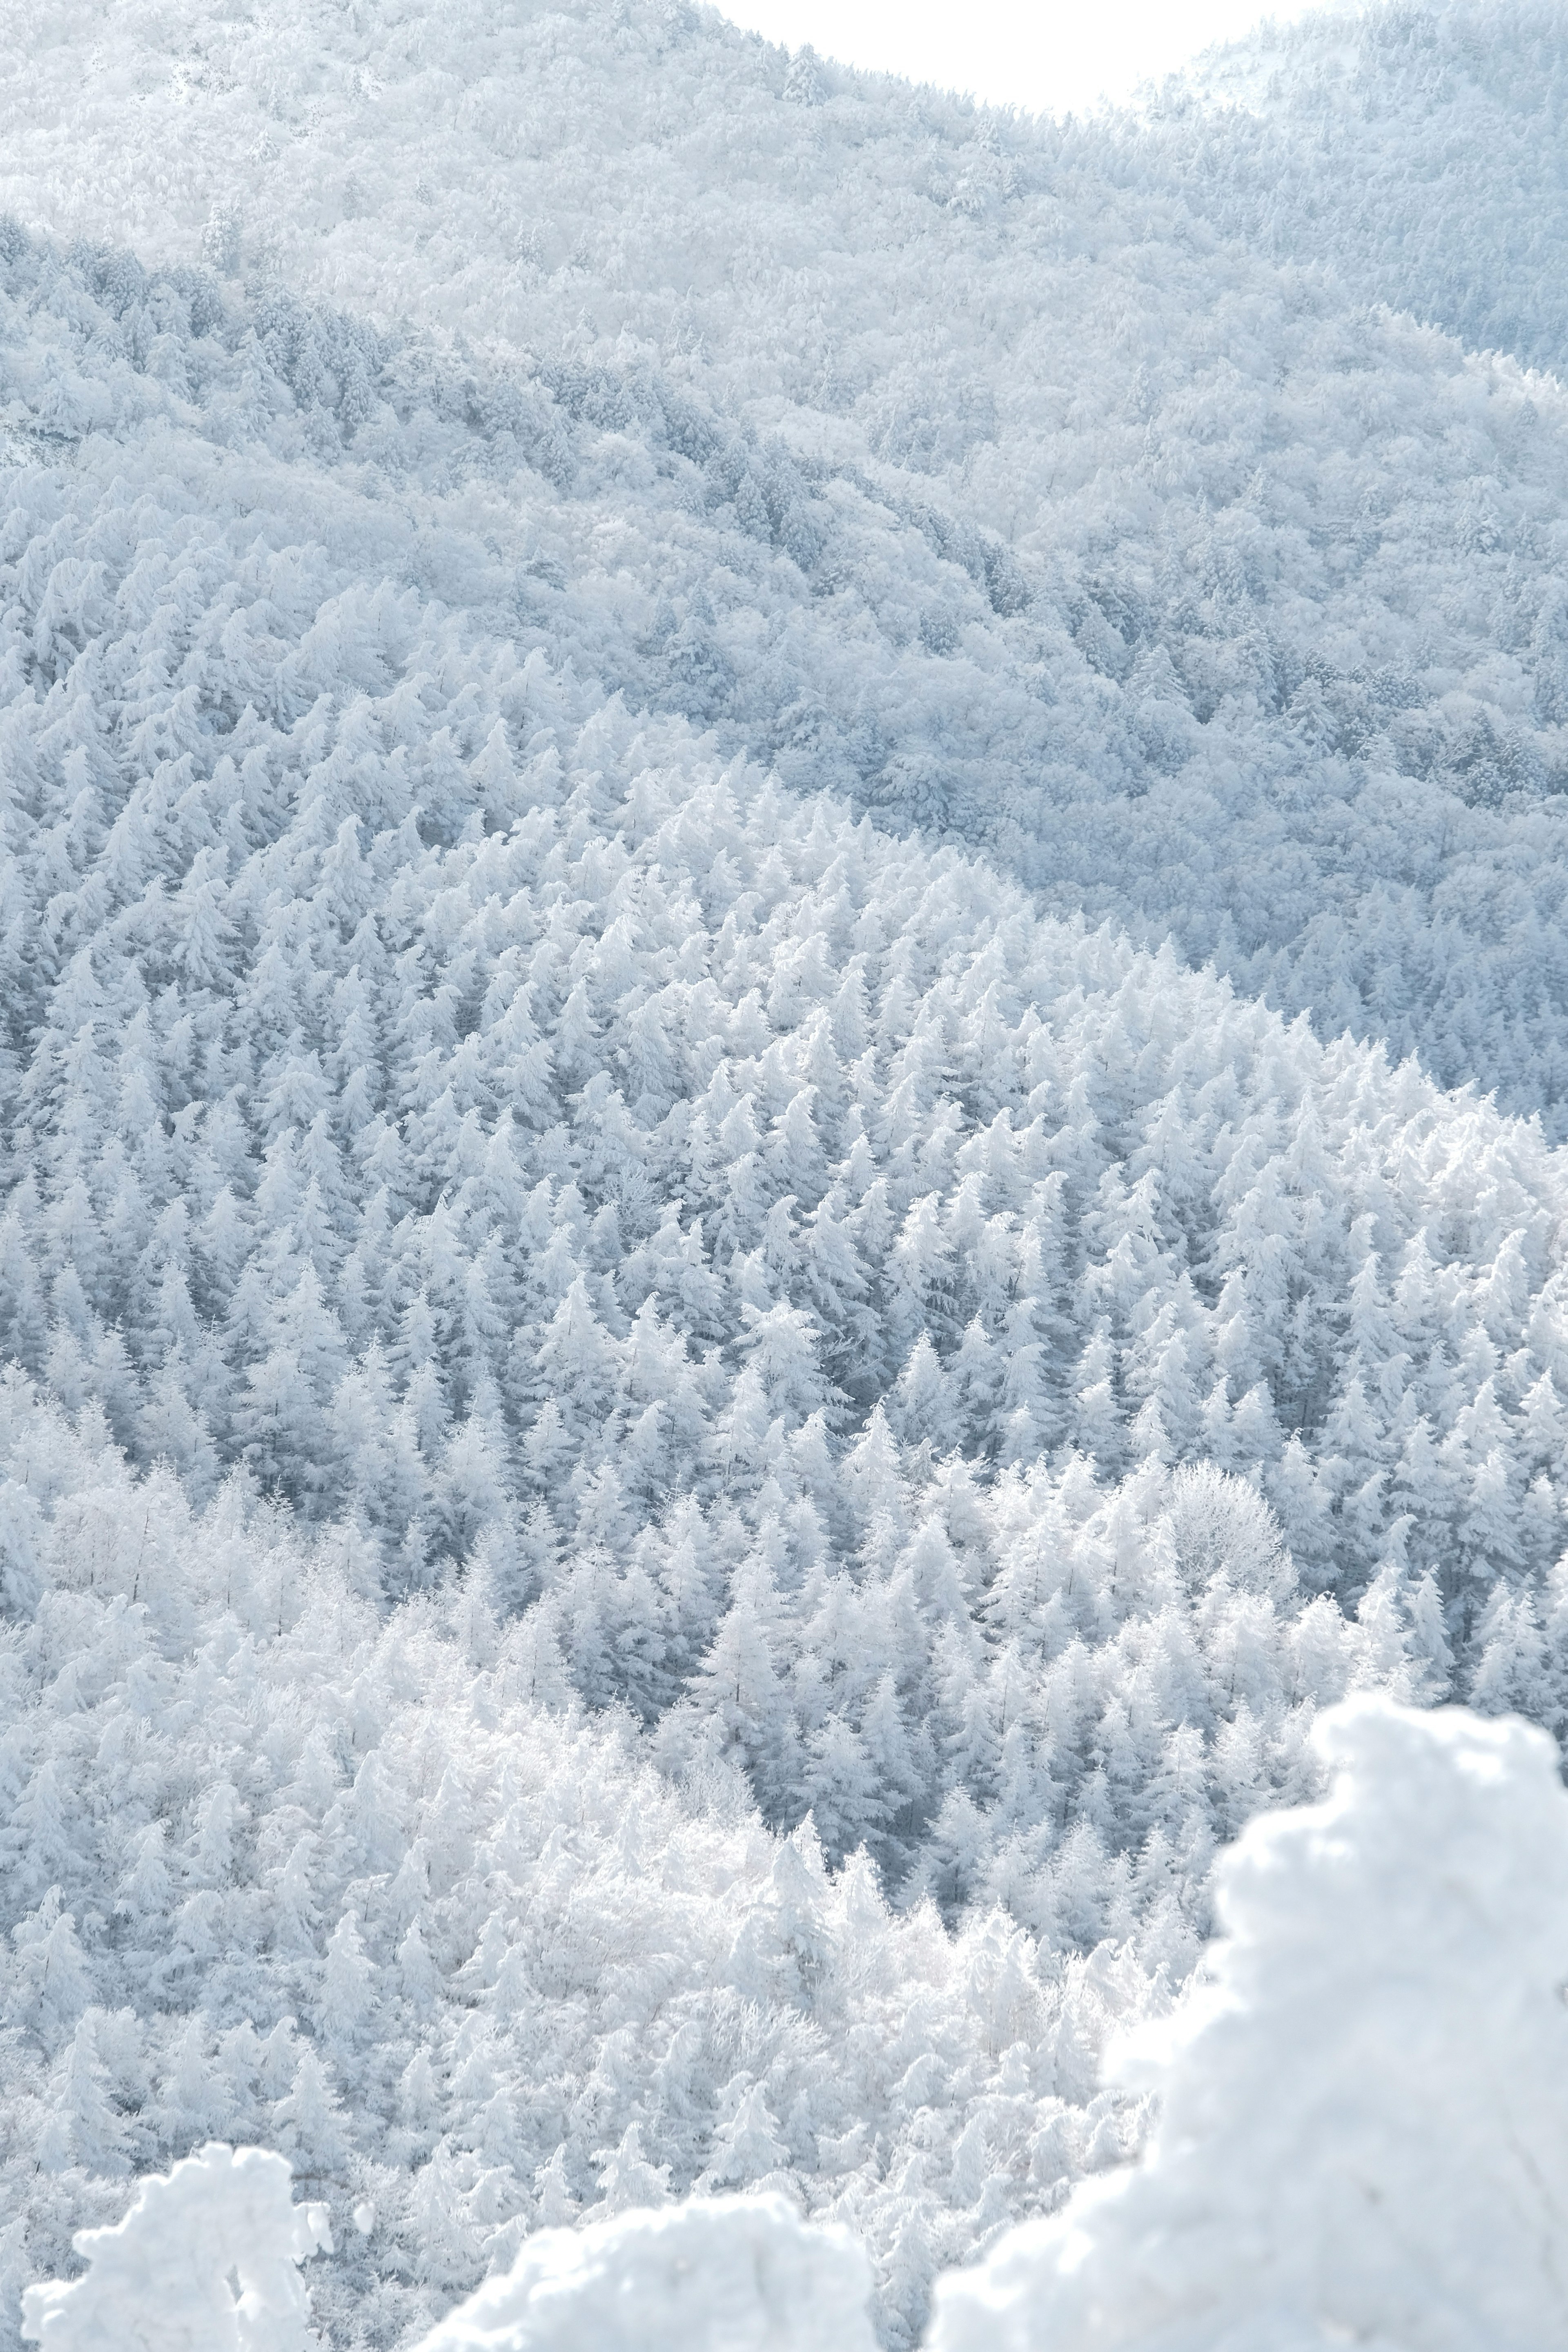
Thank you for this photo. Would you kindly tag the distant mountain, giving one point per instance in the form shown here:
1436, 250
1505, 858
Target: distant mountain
1418, 152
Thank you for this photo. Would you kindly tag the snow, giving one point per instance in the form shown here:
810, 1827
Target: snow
1328, 131
715, 2274
207, 2260
992, 472
748, 825
1360, 2134
1362, 2107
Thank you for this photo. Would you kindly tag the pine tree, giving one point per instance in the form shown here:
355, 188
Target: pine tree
626, 2179
309, 2121
87, 2129
348, 1982
746, 2151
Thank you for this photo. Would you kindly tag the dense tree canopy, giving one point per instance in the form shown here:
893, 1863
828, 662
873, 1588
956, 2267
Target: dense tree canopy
733, 1268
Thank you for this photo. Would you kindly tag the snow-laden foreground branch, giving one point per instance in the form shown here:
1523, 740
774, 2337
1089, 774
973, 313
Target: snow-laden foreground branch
1363, 2135
205, 2261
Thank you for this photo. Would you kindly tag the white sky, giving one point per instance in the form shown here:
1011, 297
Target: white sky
1045, 55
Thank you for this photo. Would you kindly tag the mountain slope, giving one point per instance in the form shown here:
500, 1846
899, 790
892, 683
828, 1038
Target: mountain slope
357, 962
686, 1417
1416, 151
1036, 512
787, 1286
277, 1870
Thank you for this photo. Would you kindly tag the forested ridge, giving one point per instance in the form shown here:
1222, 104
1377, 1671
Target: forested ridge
778, 1088
1418, 151
989, 472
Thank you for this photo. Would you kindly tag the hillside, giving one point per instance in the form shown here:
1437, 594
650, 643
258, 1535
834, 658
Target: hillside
962, 464
1416, 151
735, 1259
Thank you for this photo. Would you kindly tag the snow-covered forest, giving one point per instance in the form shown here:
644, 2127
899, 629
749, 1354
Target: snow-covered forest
784, 1030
